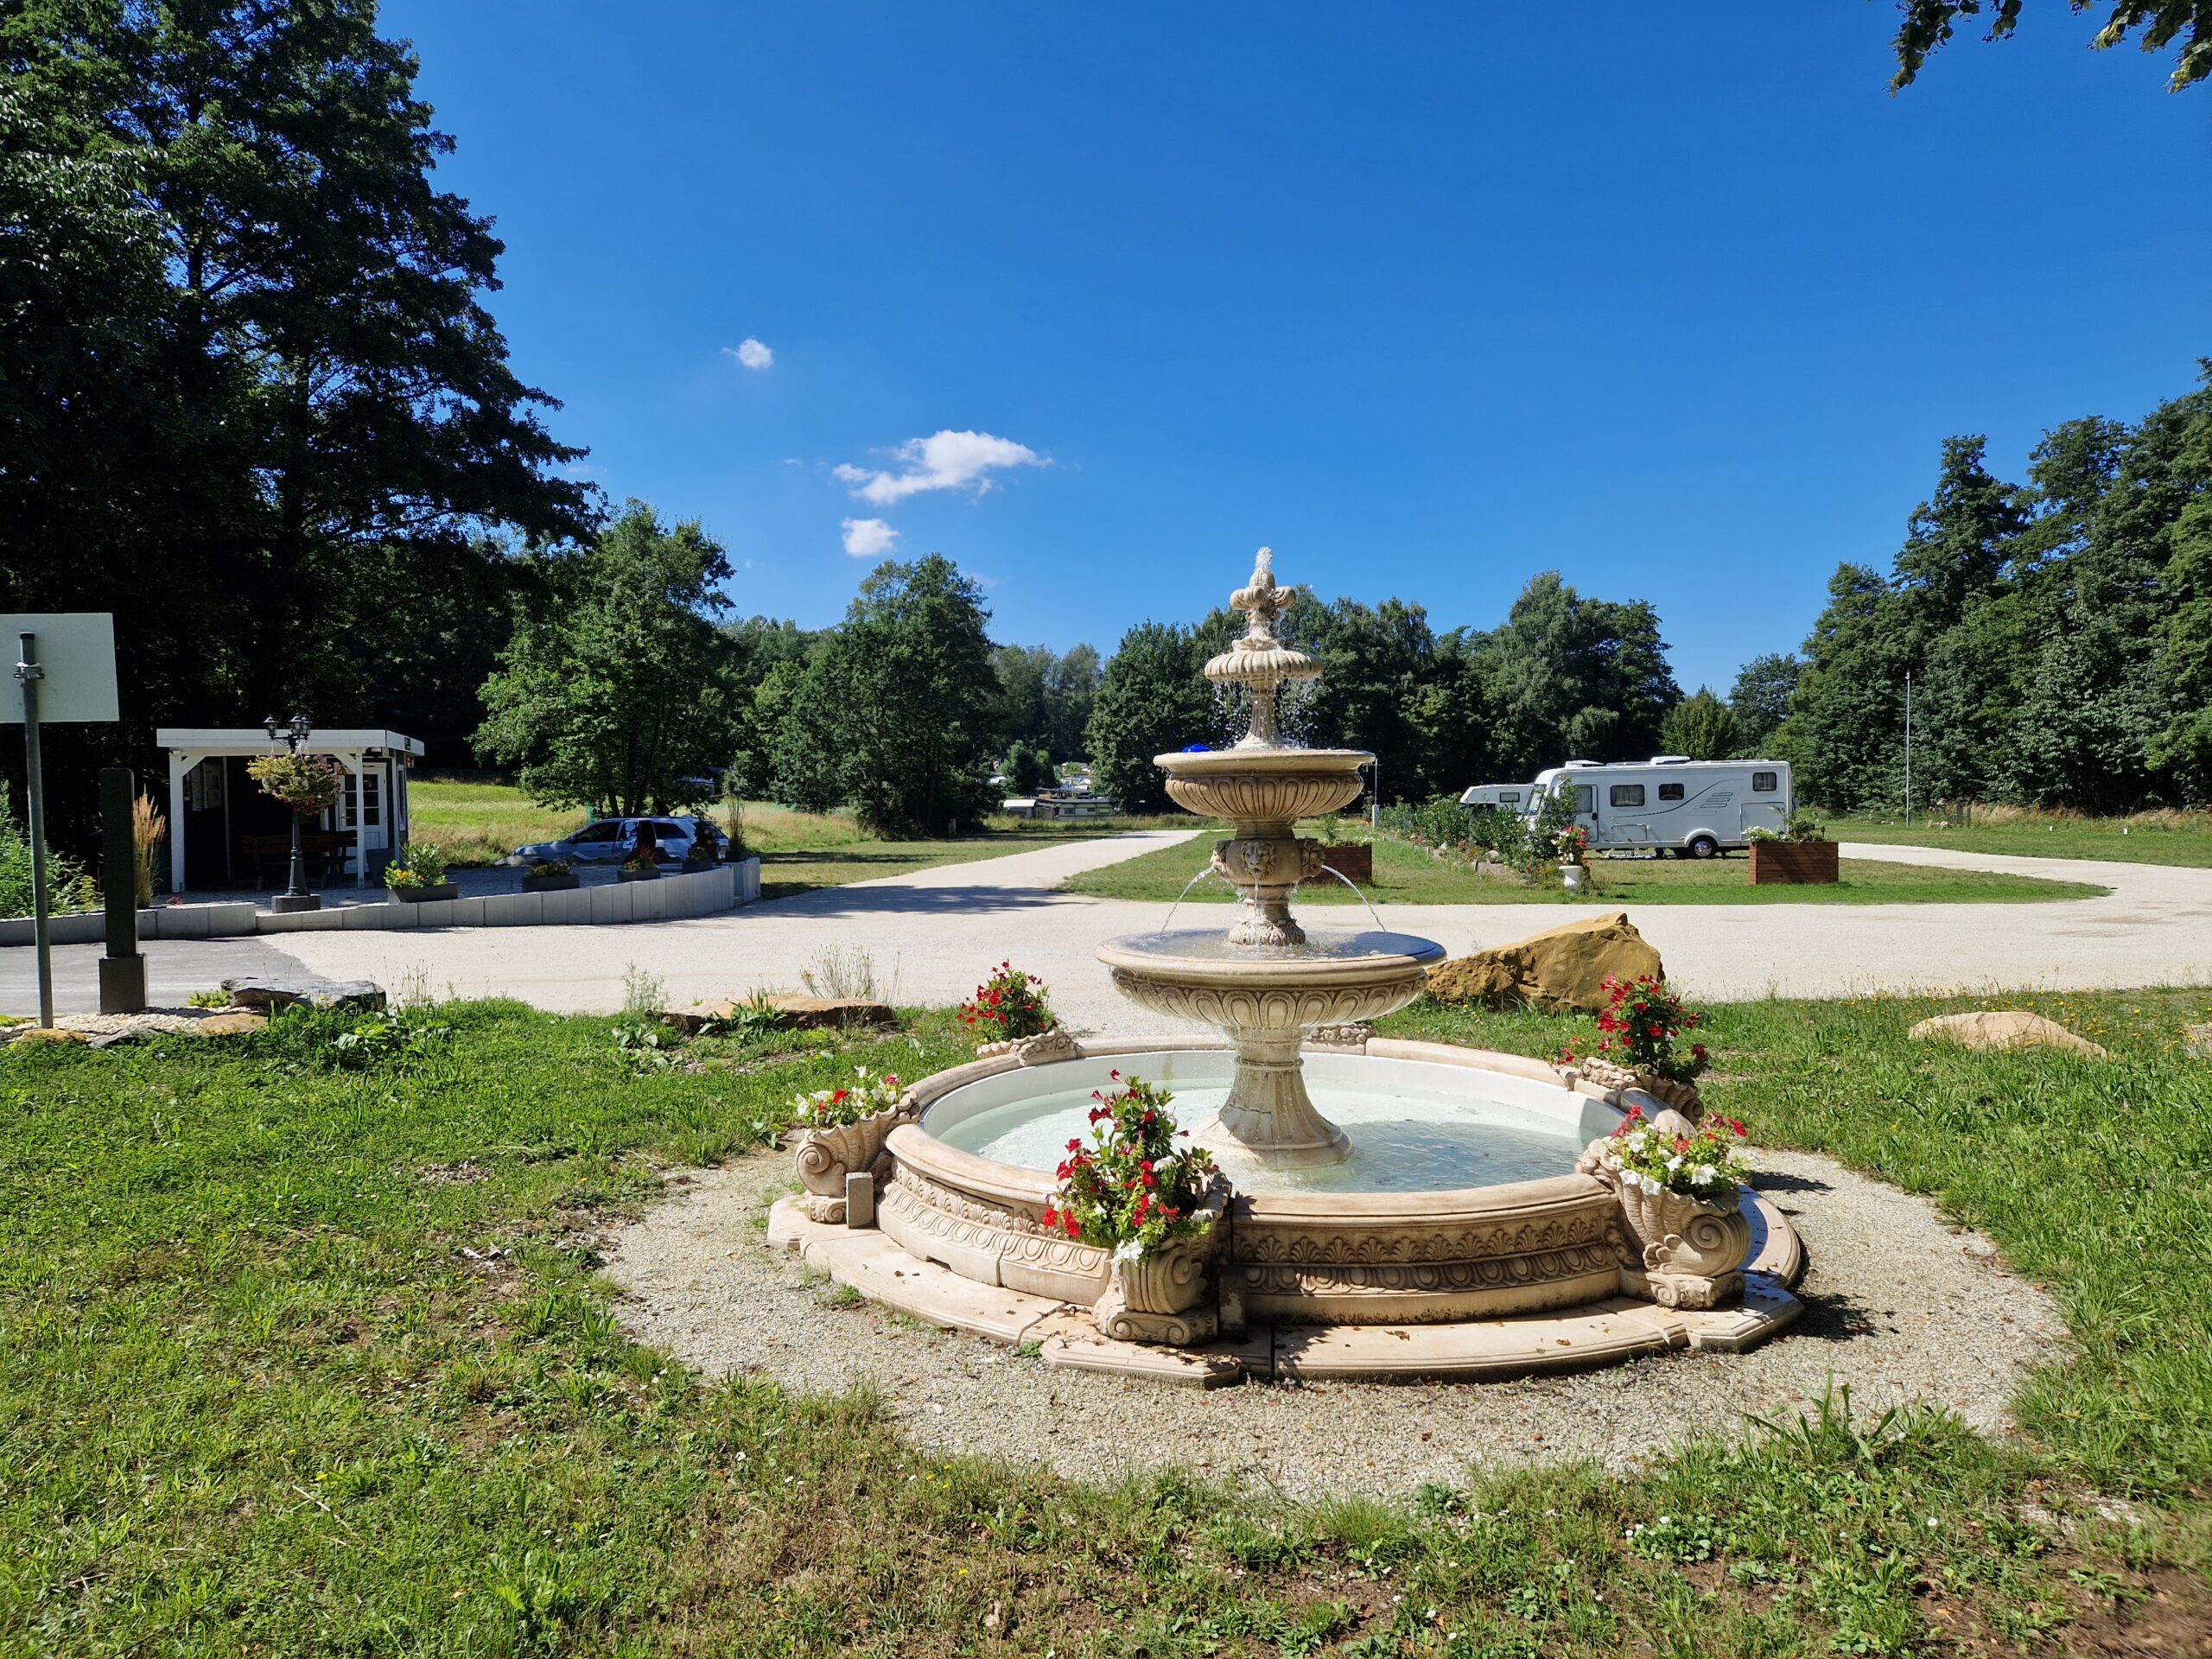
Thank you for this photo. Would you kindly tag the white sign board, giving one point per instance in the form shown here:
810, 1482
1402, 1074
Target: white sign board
77, 651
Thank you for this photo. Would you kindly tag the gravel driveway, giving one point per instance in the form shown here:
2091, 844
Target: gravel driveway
932, 934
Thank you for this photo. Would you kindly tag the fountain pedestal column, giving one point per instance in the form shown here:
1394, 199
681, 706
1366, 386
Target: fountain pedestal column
1268, 1113
1265, 862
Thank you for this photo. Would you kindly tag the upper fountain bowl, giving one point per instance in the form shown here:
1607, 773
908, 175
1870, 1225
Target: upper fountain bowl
1263, 785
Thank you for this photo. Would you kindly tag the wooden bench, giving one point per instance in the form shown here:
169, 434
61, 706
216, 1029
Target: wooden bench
322, 851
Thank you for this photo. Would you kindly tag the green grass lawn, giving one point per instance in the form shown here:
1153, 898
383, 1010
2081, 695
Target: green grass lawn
2146, 838
1406, 875
301, 1351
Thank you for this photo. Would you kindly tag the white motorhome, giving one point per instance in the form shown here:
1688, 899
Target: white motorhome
1697, 807
1509, 798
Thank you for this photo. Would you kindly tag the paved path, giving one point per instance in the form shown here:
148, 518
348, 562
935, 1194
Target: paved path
932, 934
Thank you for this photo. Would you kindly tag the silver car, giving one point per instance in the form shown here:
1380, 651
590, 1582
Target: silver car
609, 841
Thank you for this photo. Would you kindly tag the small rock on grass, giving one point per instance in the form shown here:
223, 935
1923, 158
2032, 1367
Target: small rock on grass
2003, 1028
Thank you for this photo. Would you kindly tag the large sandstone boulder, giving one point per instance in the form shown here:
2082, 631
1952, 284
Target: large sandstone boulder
2003, 1028
1562, 968
270, 995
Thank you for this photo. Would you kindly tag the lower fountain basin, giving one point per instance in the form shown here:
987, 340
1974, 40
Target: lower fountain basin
1417, 1250
1415, 1126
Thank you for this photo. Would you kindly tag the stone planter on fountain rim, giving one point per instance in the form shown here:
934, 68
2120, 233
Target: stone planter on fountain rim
1042, 1048
1168, 1296
1677, 1250
1681, 1097
825, 1156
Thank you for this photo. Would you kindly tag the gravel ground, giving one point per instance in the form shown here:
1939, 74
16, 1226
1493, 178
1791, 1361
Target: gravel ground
933, 933
1899, 1305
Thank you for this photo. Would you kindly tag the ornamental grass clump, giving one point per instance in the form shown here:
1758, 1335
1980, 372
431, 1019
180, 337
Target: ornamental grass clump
1707, 1164
1642, 1029
867, 1094
1132, 1190
1010, 1004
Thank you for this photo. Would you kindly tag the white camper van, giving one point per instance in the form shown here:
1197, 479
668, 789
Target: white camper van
1509, 798
1697, 807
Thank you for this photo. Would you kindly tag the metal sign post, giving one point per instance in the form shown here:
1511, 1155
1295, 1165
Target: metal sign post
28, 674
64, 664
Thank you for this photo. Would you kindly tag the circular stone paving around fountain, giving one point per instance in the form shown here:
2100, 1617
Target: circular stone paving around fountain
1898, 1305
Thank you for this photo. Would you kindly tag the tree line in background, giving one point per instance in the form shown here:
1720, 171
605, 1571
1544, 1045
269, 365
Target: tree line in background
2058, 633
252, 402
1563, 676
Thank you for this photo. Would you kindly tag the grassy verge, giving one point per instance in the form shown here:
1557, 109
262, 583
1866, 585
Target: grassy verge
1406, 875
302, 1351
2145, 838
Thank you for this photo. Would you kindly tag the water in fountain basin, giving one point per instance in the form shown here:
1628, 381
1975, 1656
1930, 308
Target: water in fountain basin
1403, 1140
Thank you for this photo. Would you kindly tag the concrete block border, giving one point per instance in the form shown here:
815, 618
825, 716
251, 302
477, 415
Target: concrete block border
673, 898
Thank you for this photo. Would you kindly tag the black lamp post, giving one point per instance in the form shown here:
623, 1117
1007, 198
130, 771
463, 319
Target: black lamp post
295, 896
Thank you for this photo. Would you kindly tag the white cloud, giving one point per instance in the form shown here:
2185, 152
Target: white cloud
751, 353
868, 538
949, 460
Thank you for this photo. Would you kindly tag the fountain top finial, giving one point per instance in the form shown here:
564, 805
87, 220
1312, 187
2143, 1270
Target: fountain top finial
1260, 600
1260, 659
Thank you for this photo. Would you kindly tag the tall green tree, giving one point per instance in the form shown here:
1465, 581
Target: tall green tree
1926, 25
1577, 678
1759, 701
899, 711
619, 686
250, 399
1047, 695
1701, 726
1151, 699
2182, 746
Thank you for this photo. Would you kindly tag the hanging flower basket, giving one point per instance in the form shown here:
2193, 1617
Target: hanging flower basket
306, 783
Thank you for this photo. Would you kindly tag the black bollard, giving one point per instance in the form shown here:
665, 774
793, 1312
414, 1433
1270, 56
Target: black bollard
123, 970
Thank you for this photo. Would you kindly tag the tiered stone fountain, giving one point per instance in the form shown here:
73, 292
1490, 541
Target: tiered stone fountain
1271, 984
1460, 1228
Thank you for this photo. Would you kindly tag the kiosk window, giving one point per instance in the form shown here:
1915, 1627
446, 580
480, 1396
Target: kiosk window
1670, 791
1627, 795
1765, 783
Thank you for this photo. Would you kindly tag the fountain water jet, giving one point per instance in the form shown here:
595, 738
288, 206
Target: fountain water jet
1267, 984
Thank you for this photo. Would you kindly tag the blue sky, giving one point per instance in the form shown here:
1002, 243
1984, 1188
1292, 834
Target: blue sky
1428, 298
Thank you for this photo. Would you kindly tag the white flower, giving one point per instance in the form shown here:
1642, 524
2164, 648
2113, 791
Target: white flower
1705, 1174
1129, 1250
1674, 1161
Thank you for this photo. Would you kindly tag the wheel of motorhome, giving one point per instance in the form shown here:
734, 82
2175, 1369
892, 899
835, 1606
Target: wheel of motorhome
1702, 846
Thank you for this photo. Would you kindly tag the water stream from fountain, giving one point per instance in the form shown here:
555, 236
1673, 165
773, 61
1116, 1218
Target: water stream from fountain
1374, 913
1203, 876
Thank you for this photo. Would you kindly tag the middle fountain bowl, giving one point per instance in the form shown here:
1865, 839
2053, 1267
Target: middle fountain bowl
1265, 1001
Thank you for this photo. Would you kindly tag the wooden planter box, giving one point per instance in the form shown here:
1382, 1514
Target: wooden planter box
1354, 863
551, 883
424, 895
1793, 863
637, 875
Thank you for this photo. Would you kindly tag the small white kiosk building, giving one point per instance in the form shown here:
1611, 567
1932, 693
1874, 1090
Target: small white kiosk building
222, 829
